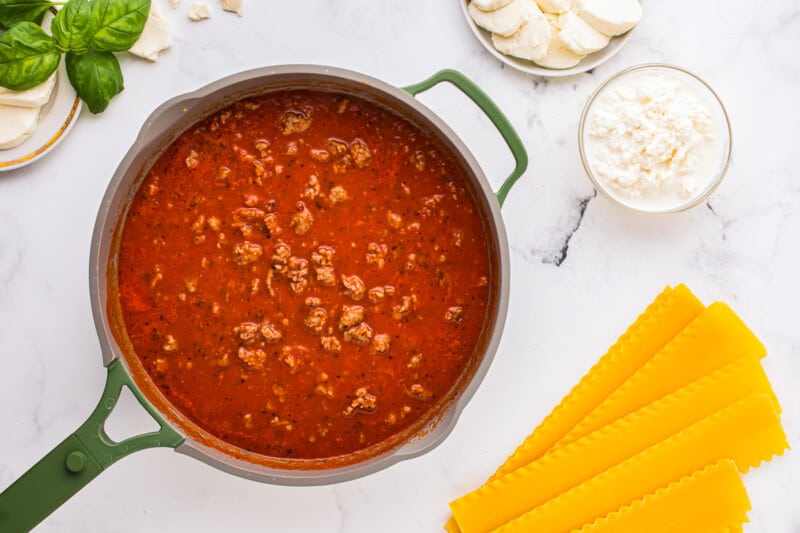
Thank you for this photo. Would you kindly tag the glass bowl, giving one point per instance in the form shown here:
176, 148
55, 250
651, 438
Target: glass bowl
721, 128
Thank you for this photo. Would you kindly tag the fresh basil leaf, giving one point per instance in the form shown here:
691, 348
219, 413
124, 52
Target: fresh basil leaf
28, 56
96, 77
118, 24
13, 11
72, 27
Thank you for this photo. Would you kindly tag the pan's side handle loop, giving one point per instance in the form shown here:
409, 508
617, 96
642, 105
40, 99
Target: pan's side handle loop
78, 459
501, 122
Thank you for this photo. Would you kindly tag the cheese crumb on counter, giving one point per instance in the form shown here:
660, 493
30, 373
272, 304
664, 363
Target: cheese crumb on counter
234, 6
174, 3
199, 11
155, 37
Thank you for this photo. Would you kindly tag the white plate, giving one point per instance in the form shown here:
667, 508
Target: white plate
587, 63
57, 118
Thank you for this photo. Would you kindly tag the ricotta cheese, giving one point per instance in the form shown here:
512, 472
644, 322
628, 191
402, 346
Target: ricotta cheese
651, 141
33, 97
17, 124
199, 11
155, 37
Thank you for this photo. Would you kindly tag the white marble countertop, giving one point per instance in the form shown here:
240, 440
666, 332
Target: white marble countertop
582, 269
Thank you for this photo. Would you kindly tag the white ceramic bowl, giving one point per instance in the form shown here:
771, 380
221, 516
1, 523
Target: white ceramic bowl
719, 117
587, 63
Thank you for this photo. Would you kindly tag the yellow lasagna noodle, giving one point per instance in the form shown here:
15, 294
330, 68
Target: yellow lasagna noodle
676, 507
664, 318
747, 432
566, 467
715, 338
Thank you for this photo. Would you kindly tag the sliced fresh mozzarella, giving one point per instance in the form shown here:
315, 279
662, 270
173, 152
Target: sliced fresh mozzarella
17, 124
506, 20
612, 17
555, 6
155, 37
559, 55
490, 5
529, 42
579, 36
33, 97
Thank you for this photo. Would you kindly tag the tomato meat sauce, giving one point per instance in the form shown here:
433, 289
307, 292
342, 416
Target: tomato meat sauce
303, 274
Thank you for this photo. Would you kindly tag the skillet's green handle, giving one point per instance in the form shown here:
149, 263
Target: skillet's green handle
497, 117
78, 459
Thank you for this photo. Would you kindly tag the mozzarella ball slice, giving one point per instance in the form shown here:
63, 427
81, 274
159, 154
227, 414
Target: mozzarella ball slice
612, 17
506, 20
155, 37
555, 6
579, 36
529, 42
490, 5
33, 97
558, 55
17, 124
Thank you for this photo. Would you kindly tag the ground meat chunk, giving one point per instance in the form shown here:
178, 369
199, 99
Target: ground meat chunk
403, 308
270, 332
415, 361
360, 334
360, 152
247, 252
315, 321
282, 254
311, 190
271, 224
326, 276
297, 272
254, 359
454, 314
321, 155
376, 254
338, 195
395, 221
418, 160
302, 220
381, 343
192, 159
294, 122
337, 147
352, 315
170, 344
354, 287
376, 295
323, 256
246, 331
331, 344
418, 392
364, 401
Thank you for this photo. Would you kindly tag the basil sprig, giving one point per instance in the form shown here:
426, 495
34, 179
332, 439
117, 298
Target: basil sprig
13, 11
87, 31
